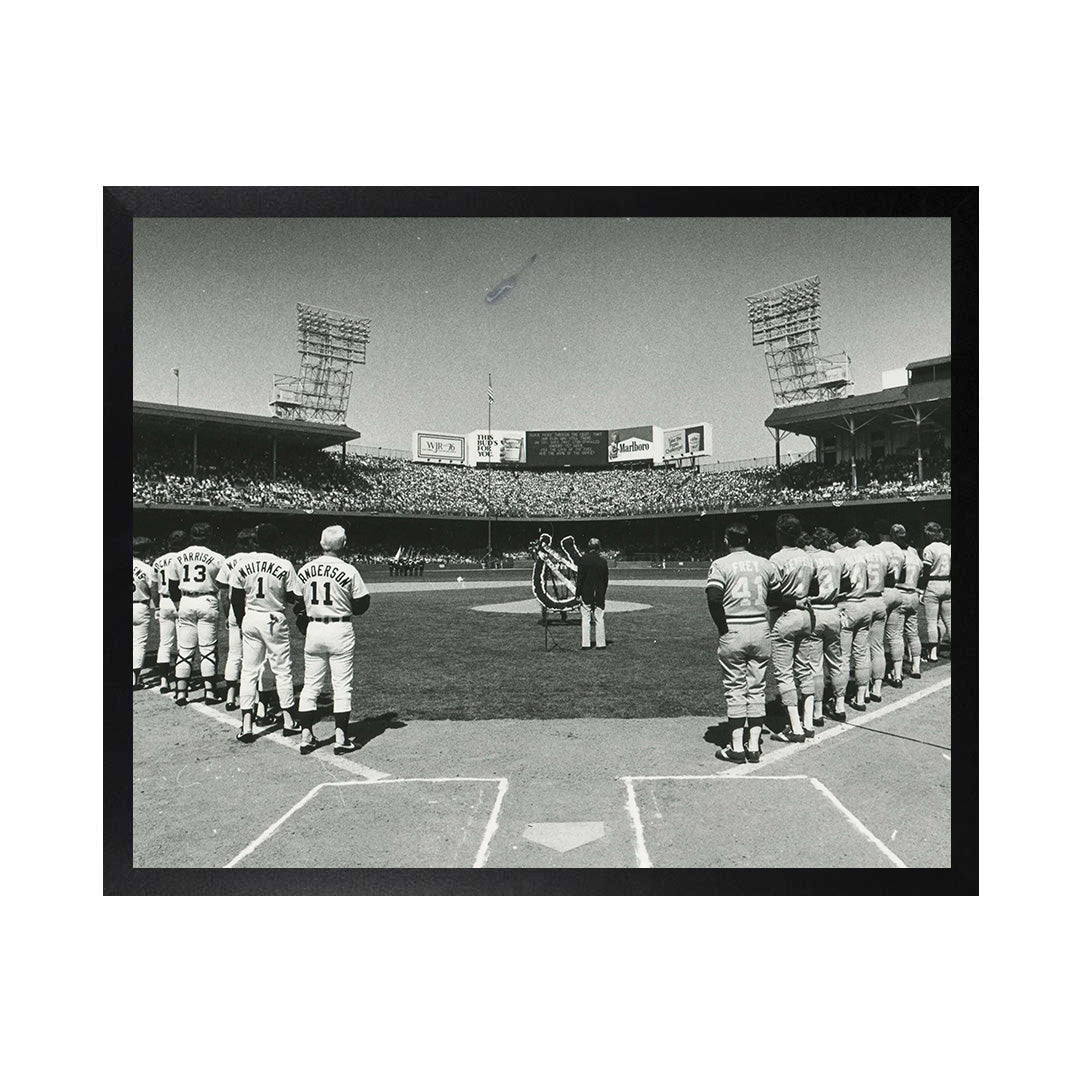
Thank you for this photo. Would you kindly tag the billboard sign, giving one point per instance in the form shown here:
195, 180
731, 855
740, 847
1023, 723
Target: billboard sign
693, 440
635, 444
427, 446
554, 449
496, 447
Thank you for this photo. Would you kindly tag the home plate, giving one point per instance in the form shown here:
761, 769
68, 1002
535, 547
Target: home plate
532, 607
563, 835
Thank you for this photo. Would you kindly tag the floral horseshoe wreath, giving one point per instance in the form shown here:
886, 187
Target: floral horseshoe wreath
554, 579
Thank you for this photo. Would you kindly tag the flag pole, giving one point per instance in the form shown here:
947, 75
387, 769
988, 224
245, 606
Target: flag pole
490, 397
176, 372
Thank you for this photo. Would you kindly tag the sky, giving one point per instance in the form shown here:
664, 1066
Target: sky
619, 322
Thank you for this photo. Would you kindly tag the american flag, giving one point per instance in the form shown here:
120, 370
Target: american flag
490, 394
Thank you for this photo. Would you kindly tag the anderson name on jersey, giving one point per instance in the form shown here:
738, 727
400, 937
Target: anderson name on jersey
329, 585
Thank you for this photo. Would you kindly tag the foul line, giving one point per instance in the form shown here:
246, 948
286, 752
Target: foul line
831, 733
492, 825
894, 859
749, 772
353, 767
640, 851
489, 832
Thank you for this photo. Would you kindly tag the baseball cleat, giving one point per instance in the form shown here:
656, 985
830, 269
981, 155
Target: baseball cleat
873, 697
819, 721
245, 736
736, 757
181, 699
753, 756
289, 728
232, 706
307, 741
914, 675
857, 707
788, 735
345, 747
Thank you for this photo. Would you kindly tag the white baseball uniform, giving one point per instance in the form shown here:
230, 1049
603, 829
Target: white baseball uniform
166, 612
235, 659
195, 570
142, 578
265, 580
329, 587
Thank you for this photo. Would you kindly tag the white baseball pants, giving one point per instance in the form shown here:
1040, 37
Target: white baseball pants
328, 649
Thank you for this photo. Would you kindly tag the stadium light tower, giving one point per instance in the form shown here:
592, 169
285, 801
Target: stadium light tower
329, 343
786, 320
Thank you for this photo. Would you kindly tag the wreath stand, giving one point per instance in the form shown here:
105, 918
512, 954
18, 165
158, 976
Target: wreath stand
550, 618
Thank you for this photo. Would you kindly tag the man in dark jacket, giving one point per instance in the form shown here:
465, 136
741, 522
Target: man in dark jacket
592, 580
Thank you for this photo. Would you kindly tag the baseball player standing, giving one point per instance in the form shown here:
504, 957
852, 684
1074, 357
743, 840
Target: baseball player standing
333, 593
894, 619
937, 596
826, 653
142, 581
194, 590
857, 613
245, 541
260, 586
735, 591
166, 612
877, 565
591, 590
792, 625
908, 586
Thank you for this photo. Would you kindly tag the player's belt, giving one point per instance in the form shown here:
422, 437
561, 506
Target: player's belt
822, 607
938, 577
332, 618
140, 601
870, 595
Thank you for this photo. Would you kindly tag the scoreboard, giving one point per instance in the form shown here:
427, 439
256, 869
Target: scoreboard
553, 449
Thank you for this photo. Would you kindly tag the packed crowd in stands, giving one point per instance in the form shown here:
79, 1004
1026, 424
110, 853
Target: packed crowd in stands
317, 480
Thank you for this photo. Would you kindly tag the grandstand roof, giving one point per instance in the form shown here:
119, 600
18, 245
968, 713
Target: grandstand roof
916, 364
148, 415
809, 419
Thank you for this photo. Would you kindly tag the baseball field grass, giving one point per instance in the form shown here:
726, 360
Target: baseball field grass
424, 652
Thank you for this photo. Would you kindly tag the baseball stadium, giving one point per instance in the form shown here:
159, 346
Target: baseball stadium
488, 709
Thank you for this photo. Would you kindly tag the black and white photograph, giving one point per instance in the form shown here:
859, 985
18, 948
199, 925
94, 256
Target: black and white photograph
508, 534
